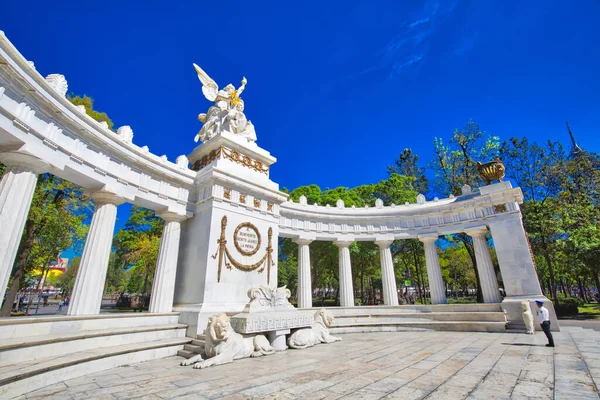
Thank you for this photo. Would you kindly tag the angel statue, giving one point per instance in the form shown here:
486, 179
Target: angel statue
227, 114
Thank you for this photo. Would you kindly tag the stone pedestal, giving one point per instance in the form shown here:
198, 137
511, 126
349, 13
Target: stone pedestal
270, 313
434, 272
518, 271
346, 285
230, 244
388, 277
304, 281
163, 286
485, 267
16, 192
278, 339
89, 283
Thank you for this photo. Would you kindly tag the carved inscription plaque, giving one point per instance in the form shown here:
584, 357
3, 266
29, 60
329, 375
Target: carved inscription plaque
246, 239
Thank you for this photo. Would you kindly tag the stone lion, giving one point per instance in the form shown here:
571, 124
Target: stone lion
223, 344
528, 317
317, 333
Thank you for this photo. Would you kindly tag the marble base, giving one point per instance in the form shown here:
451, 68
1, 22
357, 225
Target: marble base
514, 314
278, 339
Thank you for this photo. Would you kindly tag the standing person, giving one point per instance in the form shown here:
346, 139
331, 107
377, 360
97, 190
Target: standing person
544, 319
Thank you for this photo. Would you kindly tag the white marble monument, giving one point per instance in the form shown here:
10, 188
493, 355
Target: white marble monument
230, 244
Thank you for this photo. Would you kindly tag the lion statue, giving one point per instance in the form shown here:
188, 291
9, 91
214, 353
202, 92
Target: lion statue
528, 317
317, 333
223, 344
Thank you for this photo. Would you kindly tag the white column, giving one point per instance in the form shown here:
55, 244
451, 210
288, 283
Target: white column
16, 192
346, 286
89, 283
388, 277
487, 275
434, 272
163, 286
304, 281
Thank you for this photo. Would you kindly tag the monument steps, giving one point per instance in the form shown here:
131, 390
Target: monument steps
29, 361
443, 317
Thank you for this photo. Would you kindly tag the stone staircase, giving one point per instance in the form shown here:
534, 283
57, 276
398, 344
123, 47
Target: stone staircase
35, 351
438, 317
196, 346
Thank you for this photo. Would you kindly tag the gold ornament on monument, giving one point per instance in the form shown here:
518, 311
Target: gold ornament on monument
491, 171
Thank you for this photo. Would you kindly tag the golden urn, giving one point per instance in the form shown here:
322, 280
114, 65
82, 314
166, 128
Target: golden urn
493, 170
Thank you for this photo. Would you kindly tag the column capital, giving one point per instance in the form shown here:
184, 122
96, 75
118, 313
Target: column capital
169, 216
300, 241
343, 243
24, 162
106, 196
383, 244
477, 231
429, 238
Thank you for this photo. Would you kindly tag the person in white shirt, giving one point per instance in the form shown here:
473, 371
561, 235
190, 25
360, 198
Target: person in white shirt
544, 319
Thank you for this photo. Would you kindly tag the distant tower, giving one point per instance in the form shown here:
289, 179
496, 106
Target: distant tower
575, 149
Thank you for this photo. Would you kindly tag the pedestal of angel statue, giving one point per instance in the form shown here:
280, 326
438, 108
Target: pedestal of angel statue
230, 244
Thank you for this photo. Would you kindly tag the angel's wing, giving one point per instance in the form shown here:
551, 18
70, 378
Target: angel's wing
209, 87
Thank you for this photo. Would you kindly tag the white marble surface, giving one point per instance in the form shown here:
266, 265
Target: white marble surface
434, 272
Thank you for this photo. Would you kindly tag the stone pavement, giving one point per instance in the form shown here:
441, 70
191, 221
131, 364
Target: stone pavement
390, 365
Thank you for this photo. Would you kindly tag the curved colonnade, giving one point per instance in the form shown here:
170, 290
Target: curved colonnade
41, 131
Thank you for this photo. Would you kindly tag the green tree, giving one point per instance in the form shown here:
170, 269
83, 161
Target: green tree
88, 103
407, 164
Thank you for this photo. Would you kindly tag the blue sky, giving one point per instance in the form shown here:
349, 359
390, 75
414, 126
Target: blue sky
336, 89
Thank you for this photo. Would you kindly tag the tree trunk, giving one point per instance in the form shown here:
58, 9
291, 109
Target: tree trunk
581, 290
550, 272
469, 246
596, 278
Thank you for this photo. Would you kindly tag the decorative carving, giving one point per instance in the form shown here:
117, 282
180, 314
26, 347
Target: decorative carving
317, 333
246, 161
249, 239
226, 258
223, 344
242, 198
466, 189
270, 207
182, 161
264, 298
227, 114
339, 203
103, 124
146, 149
227, 194
500, 208
232, 155
257, 203
302, 200
81, 108
379, 203
421, 198
58, 83
125, 133
493, 170
164, 158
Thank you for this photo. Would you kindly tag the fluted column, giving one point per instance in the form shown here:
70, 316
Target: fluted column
304, 281
388, 277
16, 192
163, 285
346, 286
487, 276
434, 272
89, 283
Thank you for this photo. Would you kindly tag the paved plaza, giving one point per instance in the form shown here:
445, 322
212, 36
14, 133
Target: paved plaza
391, 365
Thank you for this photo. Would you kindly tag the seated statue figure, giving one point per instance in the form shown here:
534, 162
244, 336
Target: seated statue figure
223, 344
317, 333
